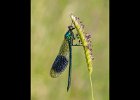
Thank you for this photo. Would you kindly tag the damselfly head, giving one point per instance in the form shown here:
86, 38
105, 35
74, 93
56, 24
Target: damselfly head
71, 27
69, 33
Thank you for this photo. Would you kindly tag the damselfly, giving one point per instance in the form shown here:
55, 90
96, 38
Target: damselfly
65, 55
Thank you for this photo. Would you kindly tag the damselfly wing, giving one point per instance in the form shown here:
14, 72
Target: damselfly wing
61, 61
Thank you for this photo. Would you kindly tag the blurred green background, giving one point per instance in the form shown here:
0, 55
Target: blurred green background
49, 21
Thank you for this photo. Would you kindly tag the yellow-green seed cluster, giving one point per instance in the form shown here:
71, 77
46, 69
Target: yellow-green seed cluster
86, 41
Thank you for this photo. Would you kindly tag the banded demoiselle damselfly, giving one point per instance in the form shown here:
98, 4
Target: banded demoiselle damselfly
64, 56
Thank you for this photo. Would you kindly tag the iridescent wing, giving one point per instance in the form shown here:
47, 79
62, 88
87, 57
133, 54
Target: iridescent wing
61, 61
